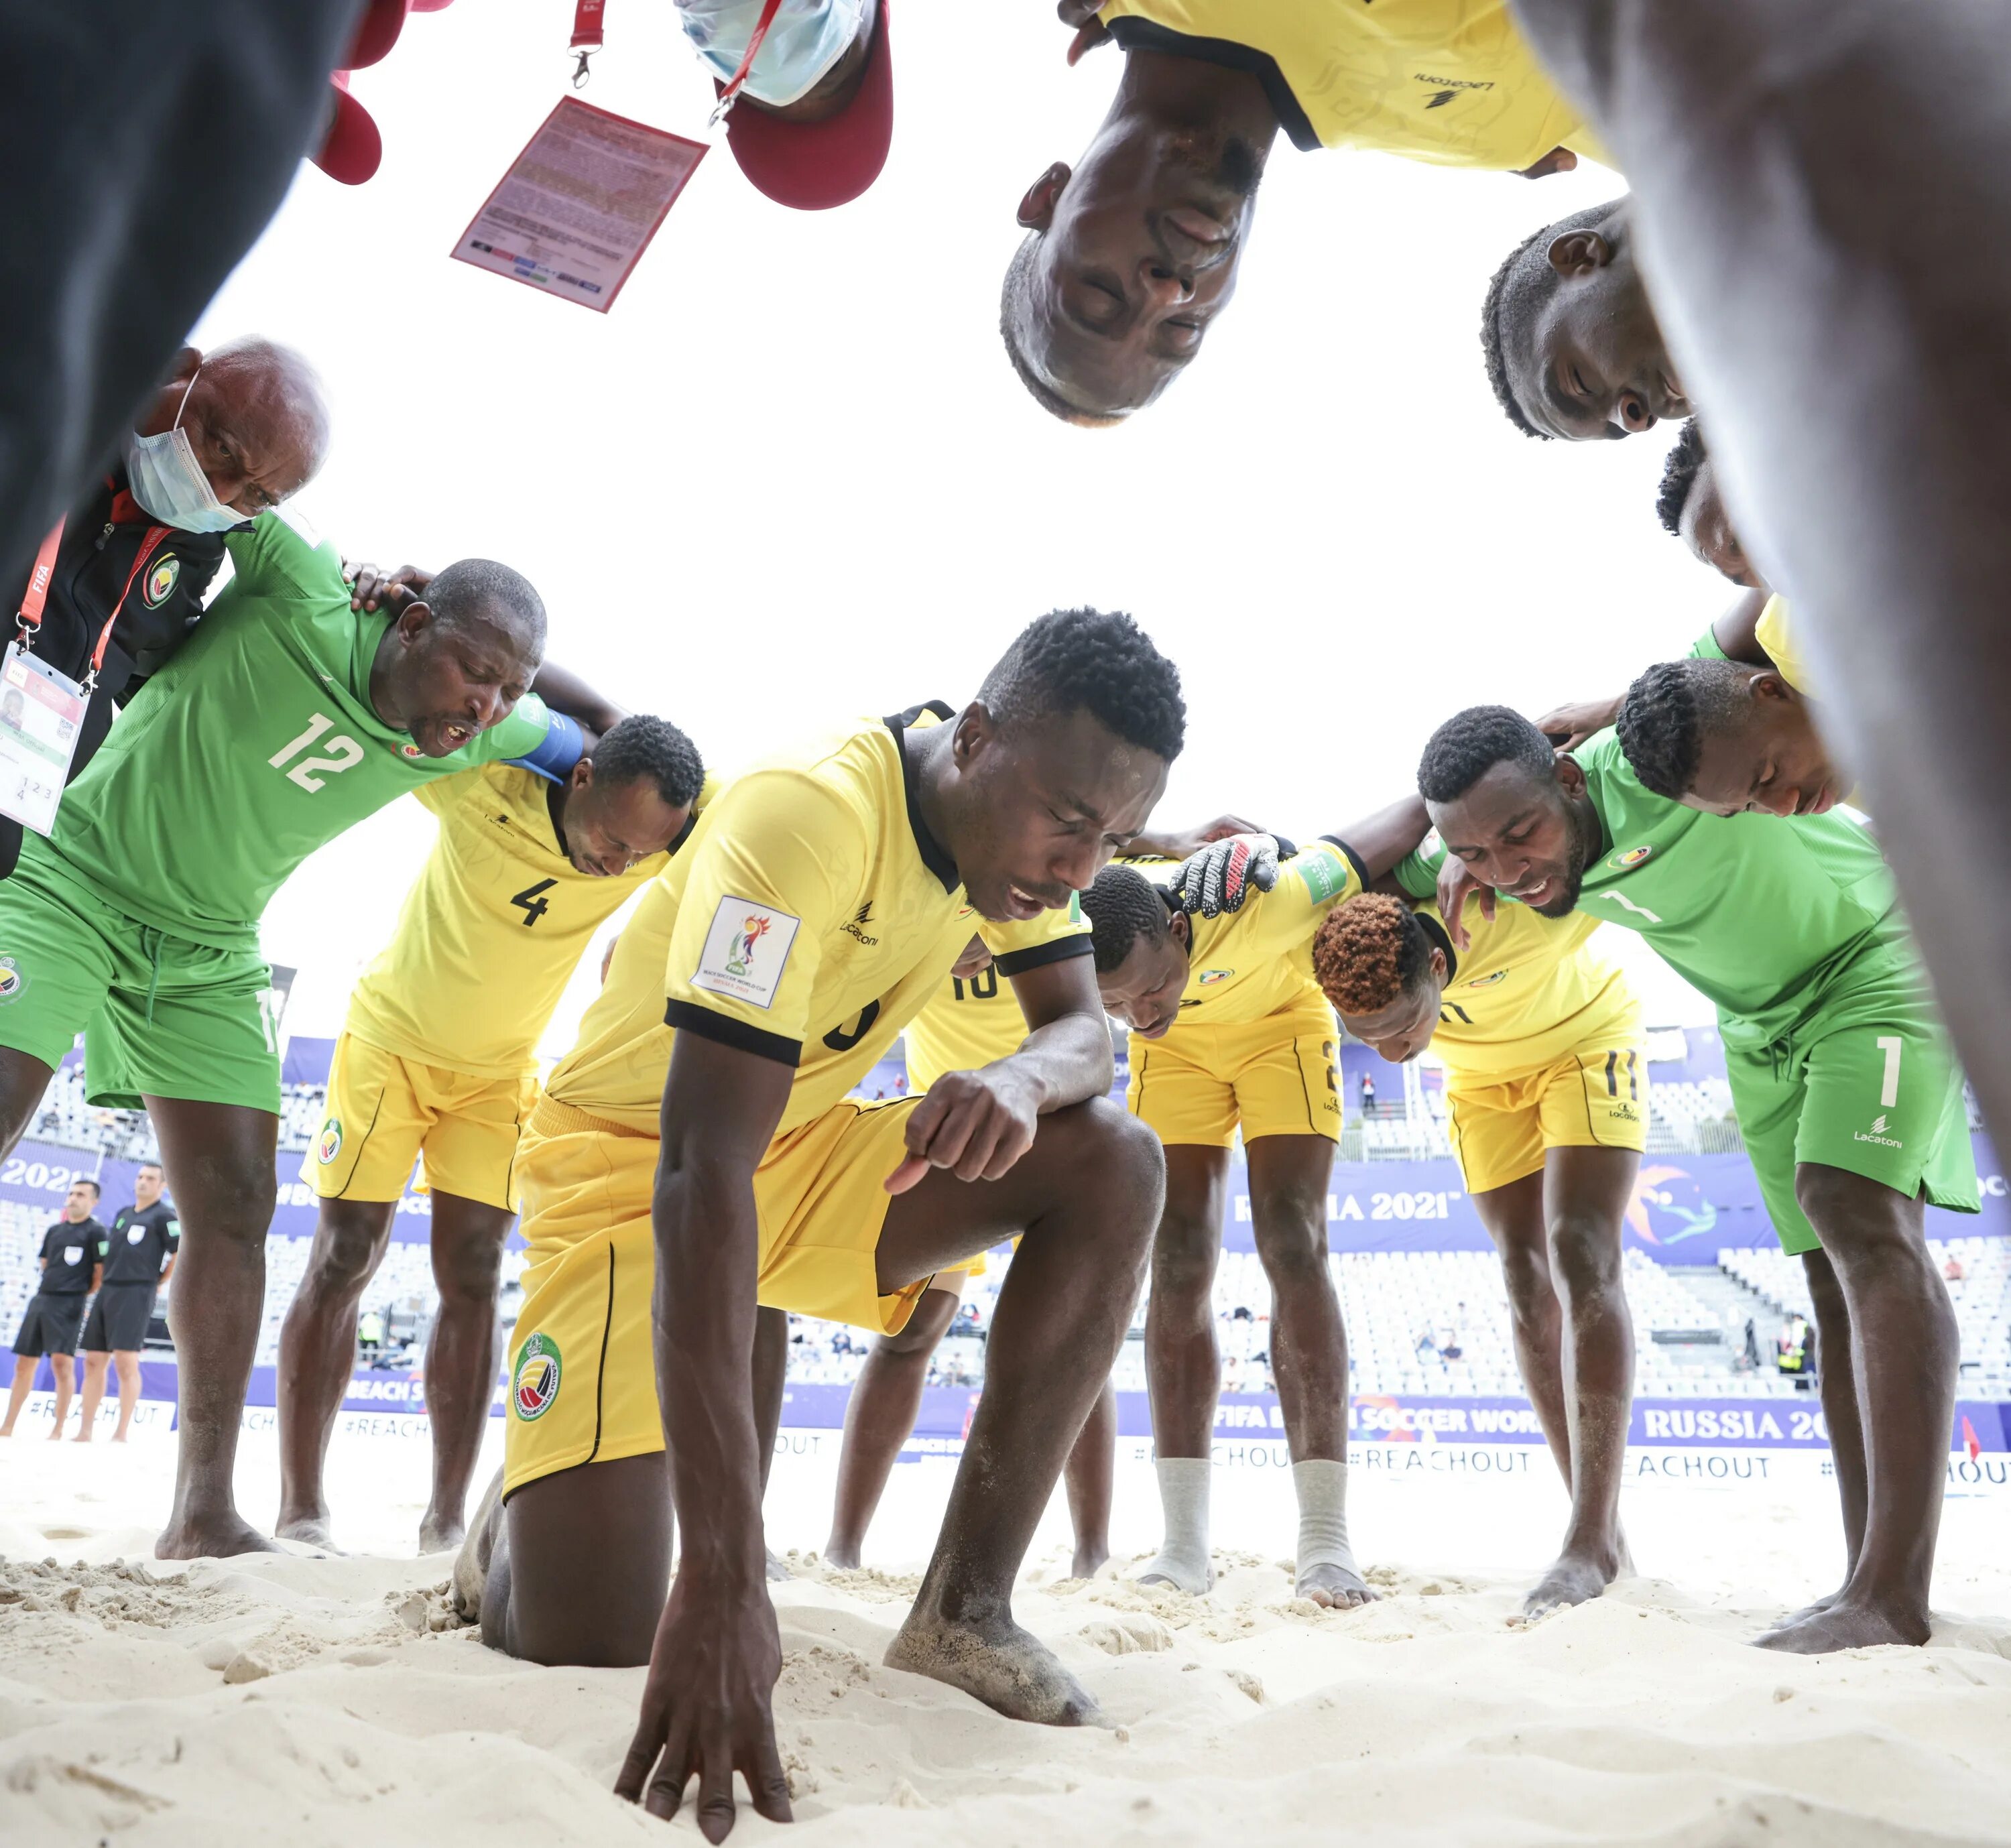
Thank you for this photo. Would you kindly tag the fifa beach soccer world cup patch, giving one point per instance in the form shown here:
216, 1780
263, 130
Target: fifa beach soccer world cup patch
1626, 862
535, 1383
745, 951
330, 1145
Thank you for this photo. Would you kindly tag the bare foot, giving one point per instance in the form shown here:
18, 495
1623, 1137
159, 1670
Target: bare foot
1847, 1623
117, 1436
778, 1568
1577, 1575
217, 1537
842, 1554
471, 1563
440, 1533
1090, 1556
1808, 1610
81, 1437
55, 1436
1335, 1586
996, 1662
312, 1530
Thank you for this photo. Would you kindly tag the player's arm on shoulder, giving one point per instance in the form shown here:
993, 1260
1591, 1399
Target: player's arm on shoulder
1736, 633
564, 691
1377, 842
1180, 843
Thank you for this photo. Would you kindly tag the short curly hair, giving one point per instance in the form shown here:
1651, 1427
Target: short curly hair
1679, 472
1369, 951
1515, 292
1123, 908
1470, 743
1073, 661
643, 746
1014, 311
1668, 710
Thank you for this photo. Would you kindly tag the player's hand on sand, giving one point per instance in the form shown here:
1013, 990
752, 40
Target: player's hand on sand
977, 1124
372, 587
706, 1705
1221, 876
1456, 883
1184, 843
1569, 725
1090, 31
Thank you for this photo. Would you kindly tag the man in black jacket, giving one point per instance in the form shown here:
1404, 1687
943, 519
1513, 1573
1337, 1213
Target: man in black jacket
226, 437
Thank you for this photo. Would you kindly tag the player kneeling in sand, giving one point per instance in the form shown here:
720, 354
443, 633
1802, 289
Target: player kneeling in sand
698, 1148
1229, 1029
438, 1055
1548, 1090
974, 1021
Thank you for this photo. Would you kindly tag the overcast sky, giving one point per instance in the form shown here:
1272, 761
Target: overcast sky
791, 477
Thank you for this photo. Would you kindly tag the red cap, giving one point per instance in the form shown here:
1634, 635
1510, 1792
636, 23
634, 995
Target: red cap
376, 32
352, 148
814, 165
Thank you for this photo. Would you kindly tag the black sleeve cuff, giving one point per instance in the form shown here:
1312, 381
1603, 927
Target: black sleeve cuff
1056, 949
1354, 859
687, 1016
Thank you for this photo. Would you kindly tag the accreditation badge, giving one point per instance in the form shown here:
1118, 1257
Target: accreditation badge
41, 713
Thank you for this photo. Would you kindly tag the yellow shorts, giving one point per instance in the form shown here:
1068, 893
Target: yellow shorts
1596, 1097
382, 1110
582, 1361
1275, 1077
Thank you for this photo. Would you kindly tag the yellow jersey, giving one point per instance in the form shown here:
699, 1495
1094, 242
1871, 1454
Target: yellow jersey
1452, 82
809, 918
967, 1025
1776, 634
1527, 991
1248, 965
491, 931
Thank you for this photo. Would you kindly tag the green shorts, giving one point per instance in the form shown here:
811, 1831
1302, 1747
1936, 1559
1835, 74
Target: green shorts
1868, 1084
162, 1017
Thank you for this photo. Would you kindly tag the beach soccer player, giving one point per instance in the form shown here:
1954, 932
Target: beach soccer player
1847, 1091
286, 718
1230, 1034
438, 1059
1546, 1092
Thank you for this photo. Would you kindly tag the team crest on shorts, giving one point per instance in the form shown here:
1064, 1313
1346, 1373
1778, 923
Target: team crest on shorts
11, 980
535, 1383
1623, 863
330, 1145
161, 581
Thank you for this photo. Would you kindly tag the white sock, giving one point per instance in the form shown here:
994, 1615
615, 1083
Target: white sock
1183, 1483
1322, 1484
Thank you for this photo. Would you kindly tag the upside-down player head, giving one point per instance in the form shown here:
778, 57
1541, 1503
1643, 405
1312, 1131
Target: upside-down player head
1572, 346
1141, 946
1727, 738
1377, 964
457, 661
1056, 763
631, 798
1690, 504
1509, 808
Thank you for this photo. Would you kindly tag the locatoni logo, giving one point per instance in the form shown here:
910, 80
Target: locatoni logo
536, 1383
1877, 1133
330, 1145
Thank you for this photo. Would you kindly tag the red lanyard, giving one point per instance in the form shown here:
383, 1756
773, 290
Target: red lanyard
586, 40
37, 596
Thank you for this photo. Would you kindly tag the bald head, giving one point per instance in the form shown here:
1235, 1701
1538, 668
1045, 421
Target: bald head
255, 414
478, 593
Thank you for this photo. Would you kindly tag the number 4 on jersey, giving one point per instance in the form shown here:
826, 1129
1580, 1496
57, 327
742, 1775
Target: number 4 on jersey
532, 907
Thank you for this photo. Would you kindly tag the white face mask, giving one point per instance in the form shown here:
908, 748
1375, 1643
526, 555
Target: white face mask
807, 37
169, 483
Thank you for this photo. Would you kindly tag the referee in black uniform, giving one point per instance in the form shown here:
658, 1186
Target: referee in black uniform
72, 1262
140, 1258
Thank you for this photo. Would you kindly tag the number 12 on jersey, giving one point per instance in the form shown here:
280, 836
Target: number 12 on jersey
345, 752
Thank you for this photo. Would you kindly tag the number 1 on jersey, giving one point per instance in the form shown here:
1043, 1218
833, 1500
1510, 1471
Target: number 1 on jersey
532, 905
1890, 1045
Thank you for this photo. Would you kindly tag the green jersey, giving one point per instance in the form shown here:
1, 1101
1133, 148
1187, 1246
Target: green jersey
1762, 913
256, 744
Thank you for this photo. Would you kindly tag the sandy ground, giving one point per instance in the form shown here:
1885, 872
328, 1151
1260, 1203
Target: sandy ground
330, 1700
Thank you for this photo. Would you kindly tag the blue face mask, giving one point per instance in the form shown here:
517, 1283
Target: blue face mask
169, 483
806, 38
